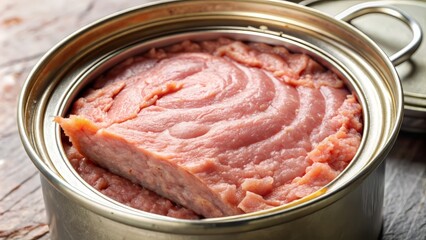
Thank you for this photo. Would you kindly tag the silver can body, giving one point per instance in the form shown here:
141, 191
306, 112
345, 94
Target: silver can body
357, 215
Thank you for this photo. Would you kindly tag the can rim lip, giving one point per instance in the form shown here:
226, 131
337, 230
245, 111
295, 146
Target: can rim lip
105, 211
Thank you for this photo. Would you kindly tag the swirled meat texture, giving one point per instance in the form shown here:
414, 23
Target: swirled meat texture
221, 127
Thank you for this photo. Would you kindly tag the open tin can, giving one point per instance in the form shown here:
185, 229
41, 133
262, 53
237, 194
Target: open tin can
351, 207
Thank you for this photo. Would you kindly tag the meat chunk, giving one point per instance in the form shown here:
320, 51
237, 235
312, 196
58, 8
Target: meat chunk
124, 191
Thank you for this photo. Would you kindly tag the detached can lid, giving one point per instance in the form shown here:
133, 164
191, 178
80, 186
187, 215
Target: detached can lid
392, 35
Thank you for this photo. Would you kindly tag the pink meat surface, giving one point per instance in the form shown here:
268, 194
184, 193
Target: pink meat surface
220, 127
124, 191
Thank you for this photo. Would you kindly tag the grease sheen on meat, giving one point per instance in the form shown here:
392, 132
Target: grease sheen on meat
221, 127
